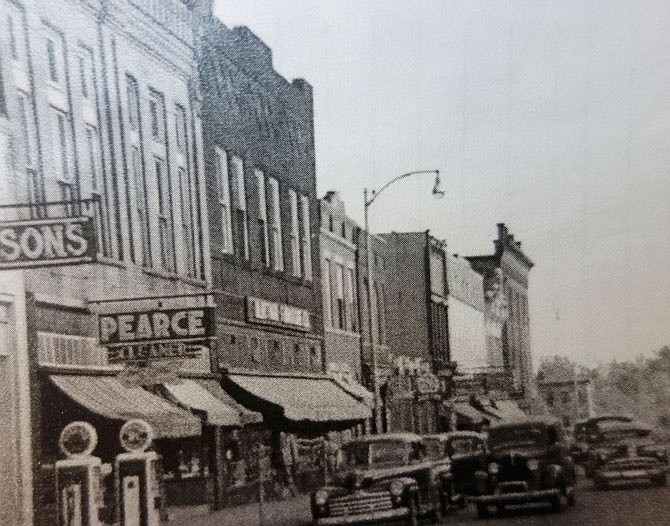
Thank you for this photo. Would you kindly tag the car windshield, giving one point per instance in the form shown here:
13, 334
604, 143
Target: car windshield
462, 446
530, 435
361, 454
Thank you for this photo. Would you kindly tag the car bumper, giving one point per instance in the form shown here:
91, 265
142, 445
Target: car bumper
364, 518
521, 497
630, 474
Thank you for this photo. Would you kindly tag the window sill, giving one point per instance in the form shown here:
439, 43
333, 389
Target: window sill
335, 330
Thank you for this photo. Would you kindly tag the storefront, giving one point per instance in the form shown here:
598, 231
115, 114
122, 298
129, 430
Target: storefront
303, 413
413, 402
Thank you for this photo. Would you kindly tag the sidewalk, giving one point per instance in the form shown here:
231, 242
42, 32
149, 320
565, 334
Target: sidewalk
291, 512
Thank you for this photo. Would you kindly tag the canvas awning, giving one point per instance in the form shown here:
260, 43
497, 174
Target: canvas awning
246, 415
108, 397
194, 396
303, 398
507, 410
354, 389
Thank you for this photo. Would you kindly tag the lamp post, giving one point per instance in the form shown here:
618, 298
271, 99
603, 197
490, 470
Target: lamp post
367, 201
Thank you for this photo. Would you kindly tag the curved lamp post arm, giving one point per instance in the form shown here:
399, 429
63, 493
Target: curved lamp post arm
436, 189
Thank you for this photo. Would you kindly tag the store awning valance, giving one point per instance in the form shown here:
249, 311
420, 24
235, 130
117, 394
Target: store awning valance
507, 410
246, 415
195, 397
108, 397
304, 398
355, 389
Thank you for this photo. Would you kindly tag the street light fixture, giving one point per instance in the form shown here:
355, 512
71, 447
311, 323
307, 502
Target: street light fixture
438, 193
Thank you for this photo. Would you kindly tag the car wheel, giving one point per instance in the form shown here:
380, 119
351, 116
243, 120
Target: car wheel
500, 509
599, 483
482, 510
437, 516
555, 503
413, 519
570, 496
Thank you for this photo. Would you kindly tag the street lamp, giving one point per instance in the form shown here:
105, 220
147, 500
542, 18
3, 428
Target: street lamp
438, 194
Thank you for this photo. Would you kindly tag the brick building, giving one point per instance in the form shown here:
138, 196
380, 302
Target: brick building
264, 228
99, 115
509, 266
567, 391
417, 331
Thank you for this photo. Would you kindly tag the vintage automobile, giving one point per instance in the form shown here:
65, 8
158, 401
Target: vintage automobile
584, 433
467, 452
625, 451
528, 462
383, 478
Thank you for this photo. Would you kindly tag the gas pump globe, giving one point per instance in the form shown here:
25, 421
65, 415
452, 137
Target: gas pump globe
136, 476
78, 476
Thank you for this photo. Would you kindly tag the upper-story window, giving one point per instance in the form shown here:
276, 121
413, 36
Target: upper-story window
306, 240
12, 31
344, 230
85, 66
61, 147
351, 294
262, 217
277, 251
180, 127
3, 101
223, 198
157, 116
327, 294
164, 215
54, 49
339, 298
240, 202
295, 234
133, 103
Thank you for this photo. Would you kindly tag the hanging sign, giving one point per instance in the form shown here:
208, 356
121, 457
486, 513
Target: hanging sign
136, 435
46, 242
78, 439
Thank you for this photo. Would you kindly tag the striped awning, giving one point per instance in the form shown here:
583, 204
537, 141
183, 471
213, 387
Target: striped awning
303, 398
108, 397
194, 396
247, 416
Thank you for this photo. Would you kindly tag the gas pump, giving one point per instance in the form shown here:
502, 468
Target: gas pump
78, 476
136, 476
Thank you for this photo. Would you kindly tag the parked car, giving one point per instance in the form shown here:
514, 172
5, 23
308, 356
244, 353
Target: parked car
625, 451
383, 478
584, 433
467, 453
529, 461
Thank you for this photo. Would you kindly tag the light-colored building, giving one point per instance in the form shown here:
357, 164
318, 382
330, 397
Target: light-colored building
99, 112
466, 321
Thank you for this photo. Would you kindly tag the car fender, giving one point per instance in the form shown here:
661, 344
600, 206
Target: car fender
554, 474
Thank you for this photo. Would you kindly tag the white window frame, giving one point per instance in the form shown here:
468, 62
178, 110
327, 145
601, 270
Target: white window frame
58, 58
186, 208
306, 240
240, 201
61, 146
223, 196
339, 296
164, 214
295, 234
157, 117
327, 293
350, 284
275, 225
263, 216
137, 174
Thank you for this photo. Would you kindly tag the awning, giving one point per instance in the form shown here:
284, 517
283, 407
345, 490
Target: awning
246, 415
304, 398
507, 410
354, 389
469, 413
195, 397
108, 397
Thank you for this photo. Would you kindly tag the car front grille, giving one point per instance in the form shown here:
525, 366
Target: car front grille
359, 503
513, 486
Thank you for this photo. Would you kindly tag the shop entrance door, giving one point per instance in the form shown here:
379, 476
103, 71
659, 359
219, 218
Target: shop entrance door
131, 500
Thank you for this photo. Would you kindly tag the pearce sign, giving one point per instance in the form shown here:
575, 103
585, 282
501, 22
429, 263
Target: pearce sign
148, 327
46, 242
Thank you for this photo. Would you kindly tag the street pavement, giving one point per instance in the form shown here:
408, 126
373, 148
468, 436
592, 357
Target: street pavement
629, 506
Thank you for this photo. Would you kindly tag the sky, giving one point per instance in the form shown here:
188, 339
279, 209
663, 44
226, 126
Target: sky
553, 117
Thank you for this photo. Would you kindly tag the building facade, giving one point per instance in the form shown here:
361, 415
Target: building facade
568, 394
100, 120
417, 331
510, 267
466, 306
266, 270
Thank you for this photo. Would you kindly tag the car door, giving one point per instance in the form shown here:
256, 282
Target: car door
468, 456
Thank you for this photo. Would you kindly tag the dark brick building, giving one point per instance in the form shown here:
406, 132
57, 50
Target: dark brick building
416, 325
258, 140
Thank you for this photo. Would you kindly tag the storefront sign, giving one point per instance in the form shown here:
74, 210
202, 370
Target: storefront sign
146, 352
159, 326
46, 242
264, 311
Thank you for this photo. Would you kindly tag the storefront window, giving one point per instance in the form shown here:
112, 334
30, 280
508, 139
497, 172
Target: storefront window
182, 459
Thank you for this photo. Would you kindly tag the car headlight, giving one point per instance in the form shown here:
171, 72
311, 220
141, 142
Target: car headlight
533, 464
493, 468
396, 488
321, 497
